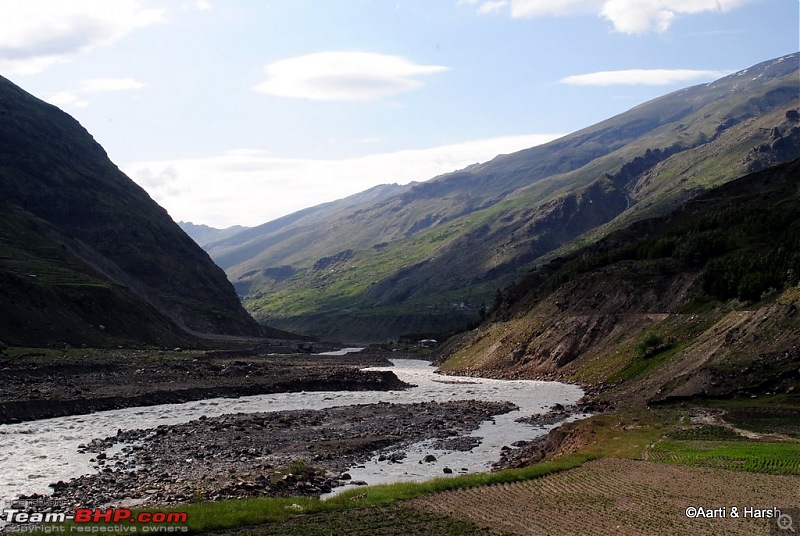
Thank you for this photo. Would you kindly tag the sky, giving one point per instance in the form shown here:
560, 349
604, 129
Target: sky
237, 112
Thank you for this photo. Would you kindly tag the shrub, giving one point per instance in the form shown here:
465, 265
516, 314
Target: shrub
298, 467
651, 344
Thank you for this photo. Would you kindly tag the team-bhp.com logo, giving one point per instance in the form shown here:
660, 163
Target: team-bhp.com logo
94, 520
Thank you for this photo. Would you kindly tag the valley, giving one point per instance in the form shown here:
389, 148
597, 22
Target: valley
594, 334
427, 258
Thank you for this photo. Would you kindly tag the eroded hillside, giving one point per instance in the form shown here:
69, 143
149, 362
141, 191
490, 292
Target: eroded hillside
703, 301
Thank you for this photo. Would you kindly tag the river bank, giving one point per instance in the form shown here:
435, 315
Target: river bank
41, 384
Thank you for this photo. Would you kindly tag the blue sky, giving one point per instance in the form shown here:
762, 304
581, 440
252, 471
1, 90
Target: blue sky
240, 111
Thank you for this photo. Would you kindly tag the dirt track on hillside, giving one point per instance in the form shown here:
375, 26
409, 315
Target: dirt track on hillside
612, 496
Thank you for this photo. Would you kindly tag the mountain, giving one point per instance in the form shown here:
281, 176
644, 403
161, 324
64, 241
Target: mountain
430, 257
205, 235
86, 257
701, 302
254, 245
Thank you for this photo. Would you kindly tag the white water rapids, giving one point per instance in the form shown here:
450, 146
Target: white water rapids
35, 454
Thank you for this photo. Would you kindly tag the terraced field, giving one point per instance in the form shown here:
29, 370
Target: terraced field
614, 496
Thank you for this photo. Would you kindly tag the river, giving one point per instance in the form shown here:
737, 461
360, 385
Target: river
35, 454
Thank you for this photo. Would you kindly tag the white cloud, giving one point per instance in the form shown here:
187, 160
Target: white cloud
35, 34
65, 98
343, 76
651, 77
202, 5
541, 8
636, 16
489, 7
250, 187
627, 16
96, 85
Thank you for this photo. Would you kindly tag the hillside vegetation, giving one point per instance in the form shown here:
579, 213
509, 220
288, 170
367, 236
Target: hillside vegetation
430, 257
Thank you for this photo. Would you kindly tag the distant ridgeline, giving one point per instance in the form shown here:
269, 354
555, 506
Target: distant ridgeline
429, 257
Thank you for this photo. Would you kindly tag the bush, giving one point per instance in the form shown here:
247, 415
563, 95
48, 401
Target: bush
651, 344
298, 467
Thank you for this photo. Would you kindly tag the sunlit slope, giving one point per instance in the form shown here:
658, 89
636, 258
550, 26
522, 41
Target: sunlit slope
429, 257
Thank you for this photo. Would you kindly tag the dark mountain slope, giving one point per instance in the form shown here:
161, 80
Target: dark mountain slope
51, 170
701, 302
428, 257
49, 295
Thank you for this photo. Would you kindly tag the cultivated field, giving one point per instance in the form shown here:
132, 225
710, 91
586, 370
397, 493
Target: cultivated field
614, 496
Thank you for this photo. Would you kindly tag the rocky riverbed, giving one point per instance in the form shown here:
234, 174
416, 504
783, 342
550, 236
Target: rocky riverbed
273, 454
40, 384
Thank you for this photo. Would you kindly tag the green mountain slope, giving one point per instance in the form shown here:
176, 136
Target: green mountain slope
703, 301
83, 246
430, 256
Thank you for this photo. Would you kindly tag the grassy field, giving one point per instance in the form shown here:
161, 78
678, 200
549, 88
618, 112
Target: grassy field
780, 458
352, 510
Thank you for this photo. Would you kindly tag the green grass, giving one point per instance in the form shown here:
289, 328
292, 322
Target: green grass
641, 364
767, 422
753, 456
388, 520
343, 284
